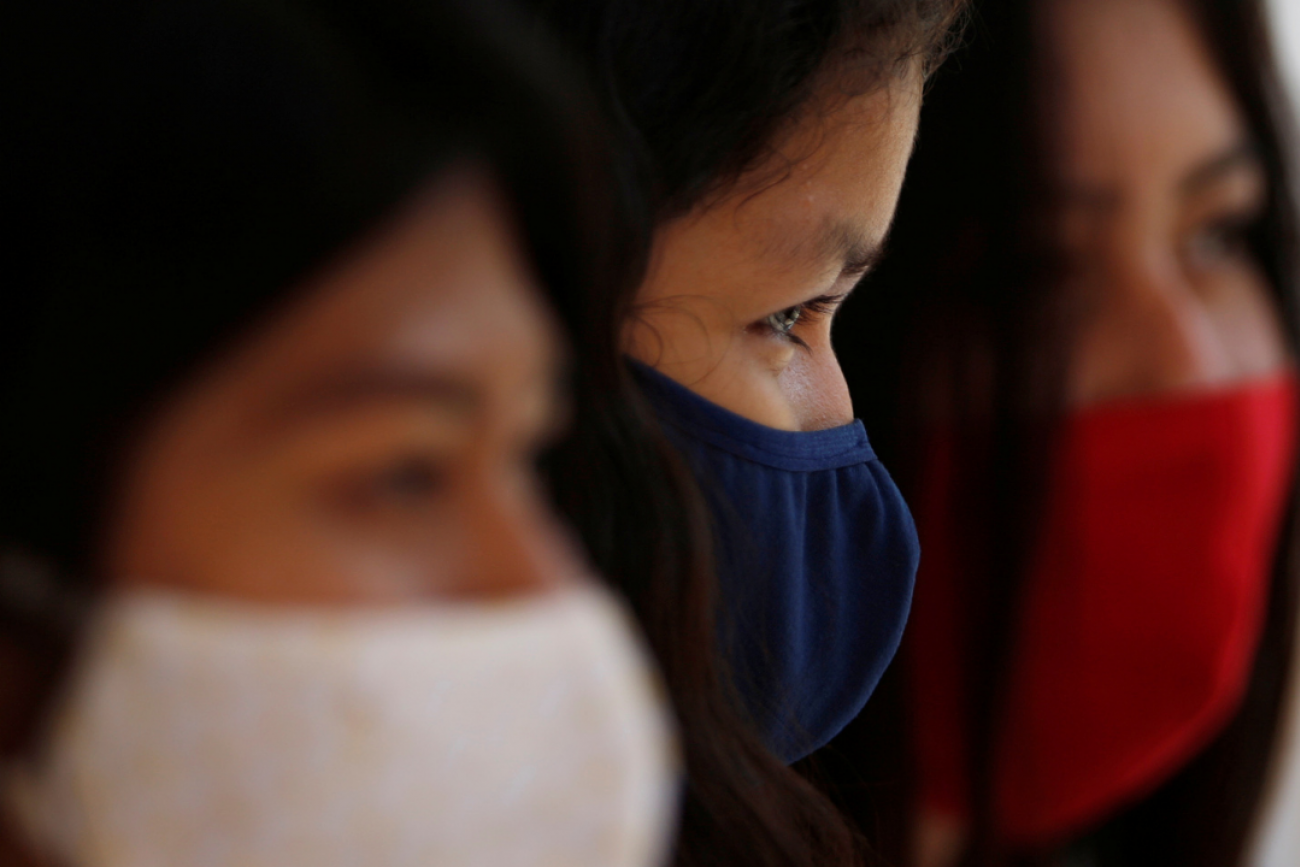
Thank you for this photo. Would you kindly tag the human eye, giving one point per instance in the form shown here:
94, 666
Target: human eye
1222, 221
389, 460
1223, 240
406, 480
399, 484
782, 323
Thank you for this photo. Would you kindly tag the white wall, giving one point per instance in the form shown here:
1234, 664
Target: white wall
1278, 841
1286, 30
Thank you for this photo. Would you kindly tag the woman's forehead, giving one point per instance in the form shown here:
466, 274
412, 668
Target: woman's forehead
436, 301
1138, 94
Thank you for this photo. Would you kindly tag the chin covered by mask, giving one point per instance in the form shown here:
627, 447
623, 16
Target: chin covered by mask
1139, 617
816, 558
198, 733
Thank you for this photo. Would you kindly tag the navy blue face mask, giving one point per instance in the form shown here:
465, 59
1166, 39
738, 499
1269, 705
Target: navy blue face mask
817, 554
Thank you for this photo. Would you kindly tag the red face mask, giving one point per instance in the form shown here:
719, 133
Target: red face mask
1140, 615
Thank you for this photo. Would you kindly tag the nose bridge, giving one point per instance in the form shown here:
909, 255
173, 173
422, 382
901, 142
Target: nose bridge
1169, 338
512, 546
817, 390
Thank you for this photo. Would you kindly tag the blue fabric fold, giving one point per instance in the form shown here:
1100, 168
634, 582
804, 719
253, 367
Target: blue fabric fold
817, 555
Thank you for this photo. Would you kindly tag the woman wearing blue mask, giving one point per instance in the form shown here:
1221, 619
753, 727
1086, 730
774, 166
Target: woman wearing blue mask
768, 143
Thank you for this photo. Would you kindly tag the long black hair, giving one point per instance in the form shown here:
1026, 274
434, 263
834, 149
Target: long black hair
173, 170
178, 164
695, 93
173, 167
970, 295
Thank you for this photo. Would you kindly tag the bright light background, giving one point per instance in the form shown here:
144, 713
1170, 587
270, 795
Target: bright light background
1278, 836
1278, 840
1286, 29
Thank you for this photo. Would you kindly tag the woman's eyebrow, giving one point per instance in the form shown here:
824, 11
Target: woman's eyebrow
1243, 155
861, 258
447, 392
844, 243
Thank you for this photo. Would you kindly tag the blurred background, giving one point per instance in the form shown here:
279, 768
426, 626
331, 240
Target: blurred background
1286, 17
1282, 846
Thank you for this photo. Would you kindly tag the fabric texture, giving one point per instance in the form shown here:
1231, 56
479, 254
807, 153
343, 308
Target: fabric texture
209, 734
1139, 618
817, 554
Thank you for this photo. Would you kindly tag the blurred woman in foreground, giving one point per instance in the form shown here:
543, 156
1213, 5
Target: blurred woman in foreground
1079, 353
278, 584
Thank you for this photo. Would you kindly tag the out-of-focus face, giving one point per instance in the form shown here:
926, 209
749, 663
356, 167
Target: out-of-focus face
1159, 184
374, 442
738, 302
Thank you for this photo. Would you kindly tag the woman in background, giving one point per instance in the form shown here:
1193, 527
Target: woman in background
1079, 355
278, 581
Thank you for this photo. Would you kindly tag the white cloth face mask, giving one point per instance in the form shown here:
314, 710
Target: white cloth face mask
198, 733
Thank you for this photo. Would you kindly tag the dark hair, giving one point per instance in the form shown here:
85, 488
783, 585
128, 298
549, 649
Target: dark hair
698, 89
989, 317
176, 169
173, 169
235, 144
696, 92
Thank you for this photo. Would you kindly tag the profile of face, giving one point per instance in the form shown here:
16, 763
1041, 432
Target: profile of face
333, 582
1158, 187
738, 301
373, 442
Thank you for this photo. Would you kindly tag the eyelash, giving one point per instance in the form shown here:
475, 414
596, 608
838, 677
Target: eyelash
782, 323
407, 483
1232, 232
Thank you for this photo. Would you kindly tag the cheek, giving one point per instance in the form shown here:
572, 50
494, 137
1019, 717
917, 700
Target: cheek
490, 534
688, 332
254, 527
262, 528
1145, 334
483, 532
814, 386
1245, 319
1180, 334
246, 533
